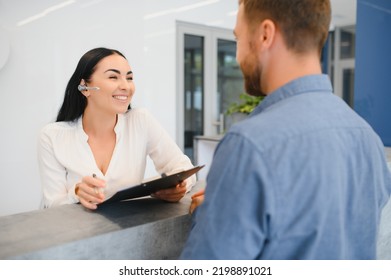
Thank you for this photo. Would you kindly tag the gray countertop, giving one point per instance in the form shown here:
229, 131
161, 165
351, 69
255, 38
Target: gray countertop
73, 232
144, 228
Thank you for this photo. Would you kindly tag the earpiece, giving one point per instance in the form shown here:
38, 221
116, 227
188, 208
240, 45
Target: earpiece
83, 88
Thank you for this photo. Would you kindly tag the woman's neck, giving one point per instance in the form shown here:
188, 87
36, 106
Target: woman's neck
98, 124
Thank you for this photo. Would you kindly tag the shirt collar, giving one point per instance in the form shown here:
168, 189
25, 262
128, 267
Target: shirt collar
311, 83
117, 129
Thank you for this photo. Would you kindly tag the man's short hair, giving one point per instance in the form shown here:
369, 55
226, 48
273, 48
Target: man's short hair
304, 24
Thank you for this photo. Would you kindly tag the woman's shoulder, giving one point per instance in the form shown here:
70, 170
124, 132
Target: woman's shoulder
141, 119
137, 111
138, 114
54, 128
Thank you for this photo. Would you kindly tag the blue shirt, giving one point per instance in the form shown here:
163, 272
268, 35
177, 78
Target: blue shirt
304, 177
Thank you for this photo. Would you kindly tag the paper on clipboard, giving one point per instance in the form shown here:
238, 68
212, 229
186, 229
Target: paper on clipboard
149, 187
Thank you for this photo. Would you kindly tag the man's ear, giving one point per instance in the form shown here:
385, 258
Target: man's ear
267, 33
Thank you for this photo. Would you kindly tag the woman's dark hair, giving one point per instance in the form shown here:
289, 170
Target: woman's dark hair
74, 101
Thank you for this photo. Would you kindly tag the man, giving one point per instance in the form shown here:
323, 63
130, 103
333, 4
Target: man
304, 177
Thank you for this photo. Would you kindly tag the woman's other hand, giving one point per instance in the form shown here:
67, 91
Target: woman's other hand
172, 194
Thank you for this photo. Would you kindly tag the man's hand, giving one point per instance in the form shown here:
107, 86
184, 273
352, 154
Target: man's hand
196, 200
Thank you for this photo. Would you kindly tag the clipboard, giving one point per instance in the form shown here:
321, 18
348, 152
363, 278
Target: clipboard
147, 188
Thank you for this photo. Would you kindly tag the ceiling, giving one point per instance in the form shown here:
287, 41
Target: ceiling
343, 12
14, 12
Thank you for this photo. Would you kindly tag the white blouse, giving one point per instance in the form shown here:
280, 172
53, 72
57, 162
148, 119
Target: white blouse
65, 157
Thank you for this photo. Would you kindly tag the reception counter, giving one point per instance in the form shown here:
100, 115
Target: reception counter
144, 228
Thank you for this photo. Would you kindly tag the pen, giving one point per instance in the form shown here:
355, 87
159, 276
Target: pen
97, 190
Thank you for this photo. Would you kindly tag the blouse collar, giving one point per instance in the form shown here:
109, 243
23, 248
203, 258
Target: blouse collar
117, 129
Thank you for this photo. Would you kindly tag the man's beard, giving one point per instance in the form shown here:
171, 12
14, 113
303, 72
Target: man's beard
252, 76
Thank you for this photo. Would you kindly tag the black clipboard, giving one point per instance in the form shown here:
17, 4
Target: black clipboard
147, 188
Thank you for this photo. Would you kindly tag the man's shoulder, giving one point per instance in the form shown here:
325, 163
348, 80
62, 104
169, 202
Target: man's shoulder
262, 127
297, 118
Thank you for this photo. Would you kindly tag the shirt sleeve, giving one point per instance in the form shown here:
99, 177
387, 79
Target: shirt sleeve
164, 152
233, 221
52, 174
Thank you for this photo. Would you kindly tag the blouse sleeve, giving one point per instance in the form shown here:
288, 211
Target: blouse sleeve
52, 174
164, 152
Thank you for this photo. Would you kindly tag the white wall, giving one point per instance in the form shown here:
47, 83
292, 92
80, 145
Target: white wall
44, 54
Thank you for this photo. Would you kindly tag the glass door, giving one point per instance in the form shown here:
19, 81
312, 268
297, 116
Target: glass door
209, 80
229, 82
193, 90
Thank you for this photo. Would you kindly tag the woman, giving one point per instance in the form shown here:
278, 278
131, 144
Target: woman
98, 145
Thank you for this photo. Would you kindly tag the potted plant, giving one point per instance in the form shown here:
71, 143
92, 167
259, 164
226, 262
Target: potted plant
238, 111
247, 105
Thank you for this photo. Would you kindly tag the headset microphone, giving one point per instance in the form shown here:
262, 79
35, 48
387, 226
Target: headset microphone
83, 88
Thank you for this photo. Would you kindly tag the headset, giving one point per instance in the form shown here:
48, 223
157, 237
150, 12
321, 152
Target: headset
83, 88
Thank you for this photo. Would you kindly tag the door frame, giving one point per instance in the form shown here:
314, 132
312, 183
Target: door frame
338, 64
210, 35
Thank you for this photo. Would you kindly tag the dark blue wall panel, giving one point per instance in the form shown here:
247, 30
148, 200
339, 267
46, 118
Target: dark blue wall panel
372, 96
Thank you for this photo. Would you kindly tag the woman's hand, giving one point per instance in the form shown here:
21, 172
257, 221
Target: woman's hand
196, 200
90, 192
172, 194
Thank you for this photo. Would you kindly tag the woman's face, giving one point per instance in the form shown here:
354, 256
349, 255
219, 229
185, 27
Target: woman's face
114, 77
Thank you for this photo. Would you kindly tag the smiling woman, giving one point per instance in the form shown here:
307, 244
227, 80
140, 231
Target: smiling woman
83, 80
98, 145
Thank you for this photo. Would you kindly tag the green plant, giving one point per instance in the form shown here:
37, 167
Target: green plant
246, 106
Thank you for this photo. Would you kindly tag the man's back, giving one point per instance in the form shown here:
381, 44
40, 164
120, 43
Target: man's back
303, 178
